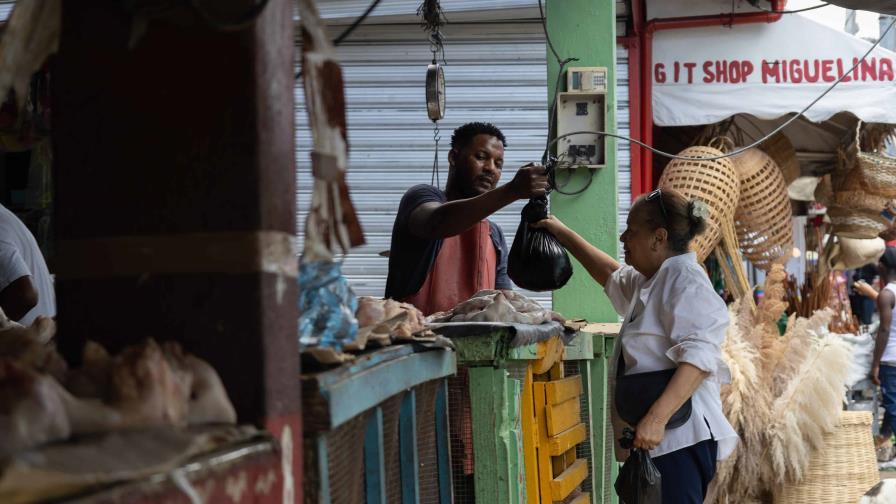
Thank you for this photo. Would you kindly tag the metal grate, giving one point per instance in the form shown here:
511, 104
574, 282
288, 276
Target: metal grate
583, 450
460, 427
427, 451
609, 461
391, 448
346, 461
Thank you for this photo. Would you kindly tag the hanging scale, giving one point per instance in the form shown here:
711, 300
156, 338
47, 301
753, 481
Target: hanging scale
435, 98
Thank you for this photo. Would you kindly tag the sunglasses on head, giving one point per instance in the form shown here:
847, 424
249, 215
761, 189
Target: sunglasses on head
658, 195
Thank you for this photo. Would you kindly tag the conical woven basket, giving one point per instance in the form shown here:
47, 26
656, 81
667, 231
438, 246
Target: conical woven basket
842, 470
763, 216
714, 182
779, 148
878, 170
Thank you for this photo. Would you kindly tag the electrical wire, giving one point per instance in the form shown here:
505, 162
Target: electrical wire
794, 11
735, 152
242, 21
552, 120
544, 26
348, 31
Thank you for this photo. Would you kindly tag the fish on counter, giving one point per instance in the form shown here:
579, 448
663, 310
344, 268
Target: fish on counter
399, 320
505, 306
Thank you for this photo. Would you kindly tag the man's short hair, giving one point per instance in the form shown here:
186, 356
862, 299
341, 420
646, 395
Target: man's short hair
464, 135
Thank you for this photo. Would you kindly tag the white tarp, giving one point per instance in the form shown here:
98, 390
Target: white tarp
704, 75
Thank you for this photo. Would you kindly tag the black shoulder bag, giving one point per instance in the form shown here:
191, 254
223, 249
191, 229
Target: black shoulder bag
636, 393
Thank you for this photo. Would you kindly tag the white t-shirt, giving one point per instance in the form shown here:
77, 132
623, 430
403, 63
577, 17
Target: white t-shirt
20, 256
889, 355
674, 317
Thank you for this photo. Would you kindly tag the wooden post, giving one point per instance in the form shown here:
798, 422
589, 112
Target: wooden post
446, 492
374, 465
497, 436
175, 196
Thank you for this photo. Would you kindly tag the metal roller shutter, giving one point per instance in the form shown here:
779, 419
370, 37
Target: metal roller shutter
623, 152
496, 73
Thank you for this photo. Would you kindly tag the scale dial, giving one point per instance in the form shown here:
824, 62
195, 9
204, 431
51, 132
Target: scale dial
435, 92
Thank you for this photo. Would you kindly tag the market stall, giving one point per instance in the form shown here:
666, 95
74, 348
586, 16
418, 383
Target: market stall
174, 370
813, 194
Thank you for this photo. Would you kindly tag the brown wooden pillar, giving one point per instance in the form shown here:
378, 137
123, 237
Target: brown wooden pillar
175, 193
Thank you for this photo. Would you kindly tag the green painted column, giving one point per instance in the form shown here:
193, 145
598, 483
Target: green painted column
586, 29
497, 436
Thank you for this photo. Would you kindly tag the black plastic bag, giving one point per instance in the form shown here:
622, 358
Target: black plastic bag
537, 261
639, 481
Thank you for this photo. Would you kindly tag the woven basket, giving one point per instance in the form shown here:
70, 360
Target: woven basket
763, 216
714, 182
779, 148
861, 200
878, 170
851, 253
824, 192
852, 223
842, 470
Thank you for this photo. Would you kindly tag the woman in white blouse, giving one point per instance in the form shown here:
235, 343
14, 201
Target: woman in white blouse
672, 319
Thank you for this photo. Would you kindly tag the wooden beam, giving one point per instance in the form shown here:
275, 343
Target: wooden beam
446, 488
603, 464
568, 439
544, 466
579, 348
323, 469
407, 437
374, 463
566, 482
563, 416
558, 391
530, 438
497, 443
334, 402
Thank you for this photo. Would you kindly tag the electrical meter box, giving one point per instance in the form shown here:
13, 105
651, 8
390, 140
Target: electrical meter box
582, 107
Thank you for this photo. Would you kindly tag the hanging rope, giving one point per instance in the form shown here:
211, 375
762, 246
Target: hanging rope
432, 21
436, 137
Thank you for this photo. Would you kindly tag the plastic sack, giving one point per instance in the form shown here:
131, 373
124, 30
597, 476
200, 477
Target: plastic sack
537, 261
327, 306
639, 481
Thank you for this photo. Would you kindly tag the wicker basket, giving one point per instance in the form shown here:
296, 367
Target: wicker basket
851, 253
824, 192
763, 215
779, 148
878, 170
842, 470
852, 223
861, 200
714, 182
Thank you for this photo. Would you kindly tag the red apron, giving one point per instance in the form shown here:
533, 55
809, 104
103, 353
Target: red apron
465, 265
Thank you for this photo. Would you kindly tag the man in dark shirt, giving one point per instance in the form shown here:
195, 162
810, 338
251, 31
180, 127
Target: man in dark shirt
443, 247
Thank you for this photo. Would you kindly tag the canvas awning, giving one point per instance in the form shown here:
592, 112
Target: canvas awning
768, 70
881, 6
